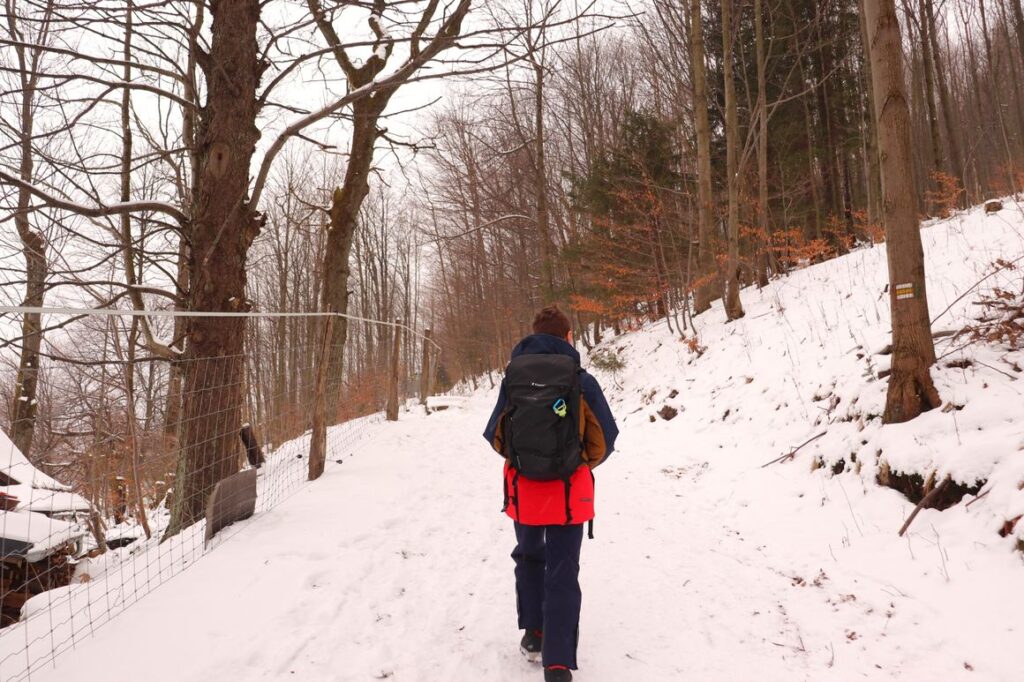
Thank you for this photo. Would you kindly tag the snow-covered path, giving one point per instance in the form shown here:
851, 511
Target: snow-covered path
706, 567
394, 567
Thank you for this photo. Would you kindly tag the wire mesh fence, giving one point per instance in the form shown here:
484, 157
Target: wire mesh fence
139, 459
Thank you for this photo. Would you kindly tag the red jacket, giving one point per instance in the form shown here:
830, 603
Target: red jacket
544, 503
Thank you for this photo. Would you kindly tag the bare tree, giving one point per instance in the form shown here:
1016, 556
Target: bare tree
709, 289
911, 390
733, 306
29, 48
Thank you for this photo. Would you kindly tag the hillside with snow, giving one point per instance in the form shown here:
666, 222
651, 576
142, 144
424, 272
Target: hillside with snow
707, 564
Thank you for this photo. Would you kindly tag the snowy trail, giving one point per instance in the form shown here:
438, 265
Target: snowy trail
706, 566
390, 568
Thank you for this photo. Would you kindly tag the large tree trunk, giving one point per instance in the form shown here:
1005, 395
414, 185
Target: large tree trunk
911, 390
709, 288
733, 307
223, 227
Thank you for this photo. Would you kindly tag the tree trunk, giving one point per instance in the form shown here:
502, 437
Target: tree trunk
929, 93
733, 307
996, 95
873, 176
318, 437
393, 375
762, 148
344, 218
175, 373
1018, 27
979, 180
951, 124
130, 273
33, 248
824, 64
541, 191
812, 172
1014, 78
132, 422
425, 368
911, 390
709, 288
189, 125
223, 226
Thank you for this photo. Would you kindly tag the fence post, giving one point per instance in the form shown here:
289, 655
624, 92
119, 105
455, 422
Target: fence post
425, 368
318, 438
392, 407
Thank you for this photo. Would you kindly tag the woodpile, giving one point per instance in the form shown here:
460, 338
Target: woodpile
21, 580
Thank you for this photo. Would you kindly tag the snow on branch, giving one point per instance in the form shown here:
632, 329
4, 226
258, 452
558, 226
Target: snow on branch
97, 211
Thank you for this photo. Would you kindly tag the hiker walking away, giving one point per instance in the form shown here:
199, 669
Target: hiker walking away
552, 425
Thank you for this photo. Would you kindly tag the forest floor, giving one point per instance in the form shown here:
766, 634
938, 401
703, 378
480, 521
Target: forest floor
706, 565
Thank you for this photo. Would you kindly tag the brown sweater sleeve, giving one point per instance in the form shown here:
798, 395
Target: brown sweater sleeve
594, 446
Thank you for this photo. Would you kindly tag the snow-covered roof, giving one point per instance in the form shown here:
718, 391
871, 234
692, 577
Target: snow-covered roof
44, 534
16, 466
36, 492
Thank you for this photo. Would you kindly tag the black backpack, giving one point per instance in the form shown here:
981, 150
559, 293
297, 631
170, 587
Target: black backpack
542, 422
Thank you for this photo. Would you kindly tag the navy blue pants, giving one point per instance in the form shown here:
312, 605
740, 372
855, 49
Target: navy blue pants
548, 593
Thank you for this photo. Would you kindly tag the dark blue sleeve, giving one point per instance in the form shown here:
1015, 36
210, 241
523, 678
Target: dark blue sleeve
599, 406
492, 423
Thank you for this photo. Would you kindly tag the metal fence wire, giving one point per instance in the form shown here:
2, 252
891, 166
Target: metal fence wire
114, 498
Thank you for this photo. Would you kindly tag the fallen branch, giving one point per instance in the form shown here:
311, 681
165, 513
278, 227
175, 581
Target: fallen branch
1000, 267
792, 453
996, 369
980, 495
923, 503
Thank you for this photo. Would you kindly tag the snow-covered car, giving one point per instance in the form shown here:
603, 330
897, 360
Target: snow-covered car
38, 515
34, 537
42, 531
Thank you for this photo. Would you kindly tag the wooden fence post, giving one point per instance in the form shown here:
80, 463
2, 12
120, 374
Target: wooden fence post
392, 407
318, 438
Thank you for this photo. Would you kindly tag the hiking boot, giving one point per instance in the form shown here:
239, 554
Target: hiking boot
531, 645
557, 673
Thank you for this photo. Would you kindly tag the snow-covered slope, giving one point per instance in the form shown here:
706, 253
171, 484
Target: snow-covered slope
804, 362
707, 566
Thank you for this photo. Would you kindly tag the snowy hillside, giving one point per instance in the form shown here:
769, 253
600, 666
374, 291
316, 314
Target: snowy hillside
706, 565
